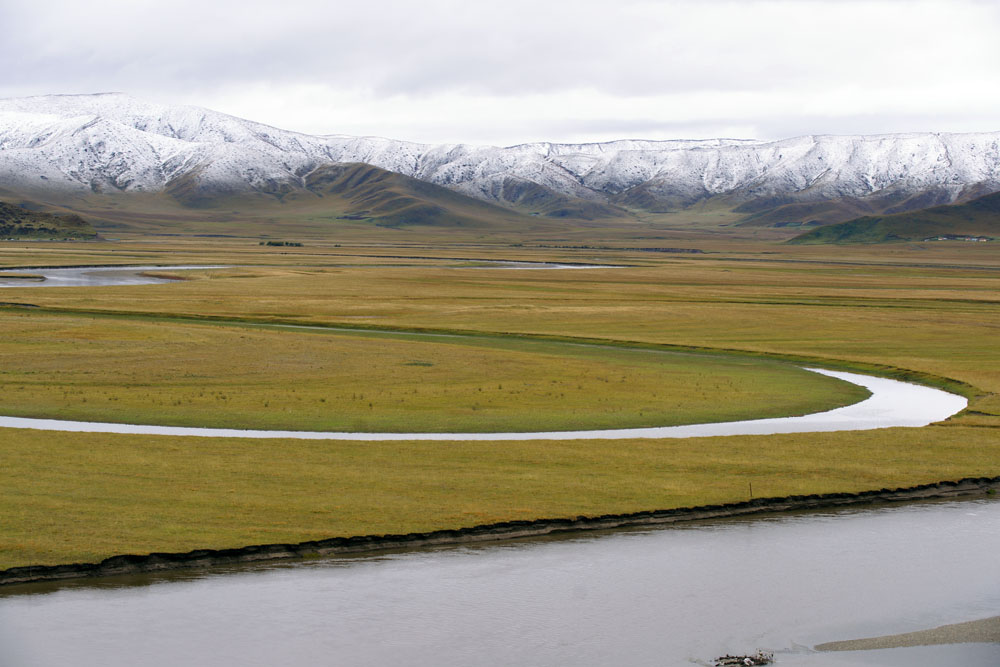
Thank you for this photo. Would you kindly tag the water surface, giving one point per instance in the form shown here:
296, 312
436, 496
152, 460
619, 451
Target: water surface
110, 276
92, 276
892, 403
681, 595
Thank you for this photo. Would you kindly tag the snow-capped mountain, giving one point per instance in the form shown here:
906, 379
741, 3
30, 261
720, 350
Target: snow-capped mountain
112, 142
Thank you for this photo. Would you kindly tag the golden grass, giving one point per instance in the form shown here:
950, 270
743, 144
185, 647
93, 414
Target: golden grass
81, 497
937, 320
183, 374
65, 497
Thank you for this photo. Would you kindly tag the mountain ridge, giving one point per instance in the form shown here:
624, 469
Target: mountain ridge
66, 145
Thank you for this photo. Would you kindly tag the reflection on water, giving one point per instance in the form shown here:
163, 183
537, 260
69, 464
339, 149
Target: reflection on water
672, 596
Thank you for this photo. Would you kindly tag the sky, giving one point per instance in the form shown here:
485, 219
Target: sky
502, 73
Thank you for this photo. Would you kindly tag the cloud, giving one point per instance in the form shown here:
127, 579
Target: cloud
509, 71
590, 115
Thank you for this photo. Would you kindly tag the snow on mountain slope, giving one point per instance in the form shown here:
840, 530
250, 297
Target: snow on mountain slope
112, 142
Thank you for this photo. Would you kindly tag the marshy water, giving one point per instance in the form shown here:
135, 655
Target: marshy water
681, 595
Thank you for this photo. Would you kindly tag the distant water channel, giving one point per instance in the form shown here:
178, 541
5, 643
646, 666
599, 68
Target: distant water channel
681, 595
503, 264
90, 276
110, 276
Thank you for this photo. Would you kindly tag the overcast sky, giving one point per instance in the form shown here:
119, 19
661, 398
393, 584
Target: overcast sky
516, 71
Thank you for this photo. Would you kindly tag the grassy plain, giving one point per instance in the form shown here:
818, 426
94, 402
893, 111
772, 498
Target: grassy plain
231, 376
928, 309
81, 497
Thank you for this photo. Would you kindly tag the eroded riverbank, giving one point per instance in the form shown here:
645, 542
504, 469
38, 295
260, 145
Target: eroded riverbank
208, 558
676, 595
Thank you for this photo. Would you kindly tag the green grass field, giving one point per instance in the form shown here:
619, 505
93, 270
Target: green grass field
925, 311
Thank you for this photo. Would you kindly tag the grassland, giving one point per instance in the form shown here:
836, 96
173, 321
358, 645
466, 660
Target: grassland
81, 497
188, 374
930, 310
21, 223
977, 218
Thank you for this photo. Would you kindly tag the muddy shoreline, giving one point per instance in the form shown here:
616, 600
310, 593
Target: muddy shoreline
206, 558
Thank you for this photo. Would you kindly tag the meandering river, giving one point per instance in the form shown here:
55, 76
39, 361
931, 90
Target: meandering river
892, 403
680, 595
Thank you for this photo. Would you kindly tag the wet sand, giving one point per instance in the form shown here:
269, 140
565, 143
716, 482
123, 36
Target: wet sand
986, 630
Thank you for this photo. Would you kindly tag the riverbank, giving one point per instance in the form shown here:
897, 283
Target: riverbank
205, 558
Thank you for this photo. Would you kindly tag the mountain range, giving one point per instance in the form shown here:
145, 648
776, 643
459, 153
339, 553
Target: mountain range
60, 148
